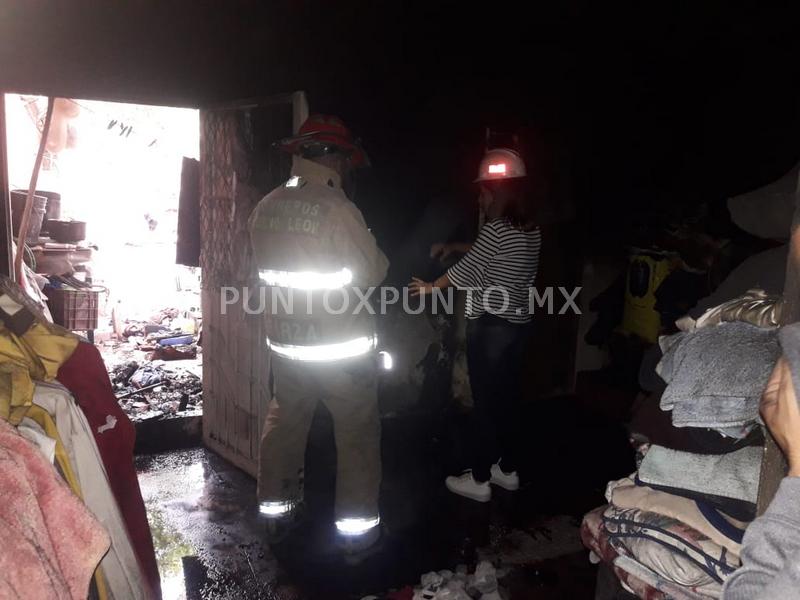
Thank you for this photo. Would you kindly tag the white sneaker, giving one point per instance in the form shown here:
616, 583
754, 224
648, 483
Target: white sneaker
507, 481
465, 485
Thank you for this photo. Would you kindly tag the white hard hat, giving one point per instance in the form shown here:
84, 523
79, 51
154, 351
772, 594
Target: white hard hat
501, 163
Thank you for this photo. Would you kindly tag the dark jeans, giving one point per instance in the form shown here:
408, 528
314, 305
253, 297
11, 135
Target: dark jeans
494, 359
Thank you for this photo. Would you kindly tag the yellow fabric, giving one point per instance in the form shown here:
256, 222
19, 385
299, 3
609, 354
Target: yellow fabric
45, 421
35, 355
100, 582
639, 316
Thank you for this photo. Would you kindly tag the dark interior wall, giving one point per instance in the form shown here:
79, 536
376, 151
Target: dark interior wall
626, 107
183, 53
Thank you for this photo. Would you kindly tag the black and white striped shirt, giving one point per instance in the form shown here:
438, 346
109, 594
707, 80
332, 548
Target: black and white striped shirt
499, 270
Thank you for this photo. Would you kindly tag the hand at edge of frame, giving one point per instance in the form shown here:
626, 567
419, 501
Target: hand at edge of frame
781, 413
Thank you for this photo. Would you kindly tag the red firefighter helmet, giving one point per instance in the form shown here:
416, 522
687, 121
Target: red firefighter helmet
322, 134
501, 163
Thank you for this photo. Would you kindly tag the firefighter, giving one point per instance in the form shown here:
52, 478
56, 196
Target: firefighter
313, 252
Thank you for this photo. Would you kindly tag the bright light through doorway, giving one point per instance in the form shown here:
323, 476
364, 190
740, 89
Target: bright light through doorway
117, 167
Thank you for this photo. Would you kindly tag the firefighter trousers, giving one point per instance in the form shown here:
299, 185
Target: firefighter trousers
348, 389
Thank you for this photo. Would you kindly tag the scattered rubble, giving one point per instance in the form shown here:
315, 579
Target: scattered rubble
155, 365
458, 585
447, 585
154, 389
509, 550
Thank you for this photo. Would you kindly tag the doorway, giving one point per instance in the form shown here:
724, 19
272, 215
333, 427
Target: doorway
102, 247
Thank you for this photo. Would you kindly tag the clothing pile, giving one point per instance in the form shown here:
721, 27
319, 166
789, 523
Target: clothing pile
73, 522
674, 528
449, 585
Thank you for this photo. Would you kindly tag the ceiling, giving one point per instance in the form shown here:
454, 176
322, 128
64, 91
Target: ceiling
692, 104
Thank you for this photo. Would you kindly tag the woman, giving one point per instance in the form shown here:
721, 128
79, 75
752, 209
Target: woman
498, 270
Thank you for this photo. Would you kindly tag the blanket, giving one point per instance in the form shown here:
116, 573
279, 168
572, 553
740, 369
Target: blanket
51, 543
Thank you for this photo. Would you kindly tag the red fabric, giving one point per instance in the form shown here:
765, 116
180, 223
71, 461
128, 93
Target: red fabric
84, 375
595, 539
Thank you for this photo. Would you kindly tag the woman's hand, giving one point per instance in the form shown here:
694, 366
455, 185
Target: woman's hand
441, 250
419, 287
782, 415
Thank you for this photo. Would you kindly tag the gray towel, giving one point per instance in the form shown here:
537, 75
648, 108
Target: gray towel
716, 375
733, 475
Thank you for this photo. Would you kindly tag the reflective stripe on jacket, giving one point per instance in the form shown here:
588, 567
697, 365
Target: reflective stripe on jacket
312, 248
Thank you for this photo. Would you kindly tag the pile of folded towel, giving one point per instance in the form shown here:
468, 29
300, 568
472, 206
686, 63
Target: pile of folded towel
674, 528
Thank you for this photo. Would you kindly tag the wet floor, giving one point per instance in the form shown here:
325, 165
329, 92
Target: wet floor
210, 543
204, 525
